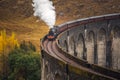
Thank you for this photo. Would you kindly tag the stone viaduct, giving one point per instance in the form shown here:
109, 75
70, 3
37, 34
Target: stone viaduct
85, 49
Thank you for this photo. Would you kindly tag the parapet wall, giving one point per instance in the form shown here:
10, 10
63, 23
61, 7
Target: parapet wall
95, 39
85, 49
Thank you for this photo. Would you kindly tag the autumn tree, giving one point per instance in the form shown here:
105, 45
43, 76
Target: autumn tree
7, 43
18, 61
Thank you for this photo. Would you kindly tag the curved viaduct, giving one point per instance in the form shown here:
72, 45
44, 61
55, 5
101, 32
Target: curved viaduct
85, 49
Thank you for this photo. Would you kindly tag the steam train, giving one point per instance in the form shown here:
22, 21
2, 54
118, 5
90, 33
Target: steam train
52, 33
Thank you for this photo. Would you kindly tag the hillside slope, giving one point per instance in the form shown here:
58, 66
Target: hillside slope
17, 15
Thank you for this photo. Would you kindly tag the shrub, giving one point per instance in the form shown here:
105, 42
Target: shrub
7, 43
24, 63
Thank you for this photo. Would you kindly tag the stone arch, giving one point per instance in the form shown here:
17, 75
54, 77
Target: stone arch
46, 73
58, 77
116, 32
90, 44
115, 48
80, 49
66, 45
101, 47
71, 45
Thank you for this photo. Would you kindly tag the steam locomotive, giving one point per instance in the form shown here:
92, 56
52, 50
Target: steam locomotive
52, 33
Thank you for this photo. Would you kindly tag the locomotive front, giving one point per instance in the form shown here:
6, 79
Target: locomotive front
52, 33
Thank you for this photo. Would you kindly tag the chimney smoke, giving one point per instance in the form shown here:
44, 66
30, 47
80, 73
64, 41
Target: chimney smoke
45, 10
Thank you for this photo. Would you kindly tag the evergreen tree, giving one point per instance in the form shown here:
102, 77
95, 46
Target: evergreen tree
24, 65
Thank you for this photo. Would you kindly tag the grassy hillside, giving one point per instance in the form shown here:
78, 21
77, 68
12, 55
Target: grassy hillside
16, 15
85, 8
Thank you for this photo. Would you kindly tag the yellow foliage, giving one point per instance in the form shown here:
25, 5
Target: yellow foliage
7, 42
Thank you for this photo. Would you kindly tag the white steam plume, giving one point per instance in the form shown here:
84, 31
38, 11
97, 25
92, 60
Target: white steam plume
45, 10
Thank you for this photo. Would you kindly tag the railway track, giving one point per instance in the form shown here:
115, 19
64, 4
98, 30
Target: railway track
50, 47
